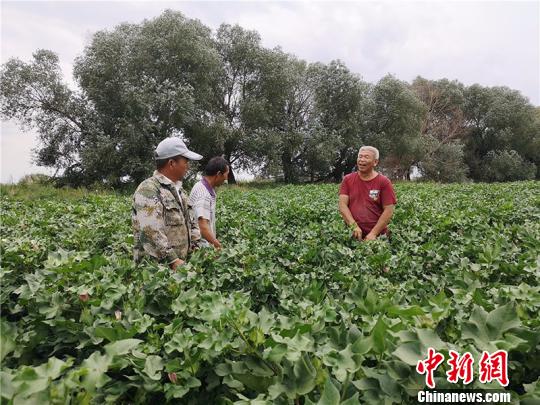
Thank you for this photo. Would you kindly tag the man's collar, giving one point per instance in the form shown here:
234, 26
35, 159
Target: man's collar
165, 180
209, 187
374, 174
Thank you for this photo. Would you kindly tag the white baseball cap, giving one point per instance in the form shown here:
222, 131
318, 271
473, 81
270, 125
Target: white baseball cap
174, 146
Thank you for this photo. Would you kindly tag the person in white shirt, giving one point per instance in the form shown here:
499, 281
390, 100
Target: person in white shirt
202, 199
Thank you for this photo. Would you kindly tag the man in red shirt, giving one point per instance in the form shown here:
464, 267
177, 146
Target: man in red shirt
367, 198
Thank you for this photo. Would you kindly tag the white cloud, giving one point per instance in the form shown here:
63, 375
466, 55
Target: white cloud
17, 157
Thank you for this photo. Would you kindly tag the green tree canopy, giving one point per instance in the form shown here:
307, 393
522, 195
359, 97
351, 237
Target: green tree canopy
147, 82
499, 119
264, 110
395, 125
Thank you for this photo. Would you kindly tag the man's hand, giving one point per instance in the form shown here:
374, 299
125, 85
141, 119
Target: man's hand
357, 232
217, 244
176, 263
371, 236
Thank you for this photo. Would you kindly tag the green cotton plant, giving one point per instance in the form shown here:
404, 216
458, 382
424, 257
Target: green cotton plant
292, 310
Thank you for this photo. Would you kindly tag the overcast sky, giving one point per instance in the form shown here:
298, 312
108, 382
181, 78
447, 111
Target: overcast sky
486, 42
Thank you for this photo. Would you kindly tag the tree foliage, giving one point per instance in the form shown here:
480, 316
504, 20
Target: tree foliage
395, 125
443, 162
443, 129
221, 131
34, 95
264, 110
147, 82
342, 108
499, 119
506, 165
281, 117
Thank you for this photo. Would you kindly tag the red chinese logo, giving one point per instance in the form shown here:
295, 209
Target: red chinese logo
491, 367
460, 367
429, 365
494, 367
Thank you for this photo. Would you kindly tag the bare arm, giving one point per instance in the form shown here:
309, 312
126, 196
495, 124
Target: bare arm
206, 233
384, 220
347, 216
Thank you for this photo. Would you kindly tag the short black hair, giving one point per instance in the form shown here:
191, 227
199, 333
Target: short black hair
160, 163
215, 165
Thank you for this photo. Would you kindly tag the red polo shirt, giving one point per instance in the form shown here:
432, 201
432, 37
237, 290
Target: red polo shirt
367, 199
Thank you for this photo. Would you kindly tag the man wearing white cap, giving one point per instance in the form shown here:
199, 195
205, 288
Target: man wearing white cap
164, 227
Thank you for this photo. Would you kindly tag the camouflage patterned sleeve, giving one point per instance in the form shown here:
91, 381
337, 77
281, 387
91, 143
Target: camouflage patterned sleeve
151, 224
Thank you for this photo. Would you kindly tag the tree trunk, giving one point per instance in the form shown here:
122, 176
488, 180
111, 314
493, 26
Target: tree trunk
342, 166
337, 173
231, 179
287, 167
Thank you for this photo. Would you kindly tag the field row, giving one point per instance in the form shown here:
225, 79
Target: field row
292, 310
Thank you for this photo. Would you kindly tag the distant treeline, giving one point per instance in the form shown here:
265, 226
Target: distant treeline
264, 110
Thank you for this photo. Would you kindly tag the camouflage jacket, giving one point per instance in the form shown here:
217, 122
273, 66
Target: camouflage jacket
163, 224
